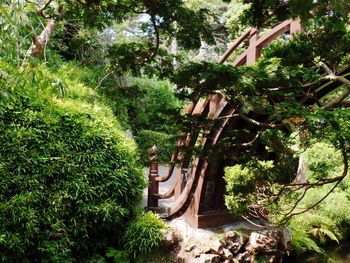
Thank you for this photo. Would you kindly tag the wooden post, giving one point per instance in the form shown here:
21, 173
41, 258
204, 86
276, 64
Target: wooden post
153, 186
253, 52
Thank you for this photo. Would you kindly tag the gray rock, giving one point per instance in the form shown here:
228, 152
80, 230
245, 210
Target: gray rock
287, 239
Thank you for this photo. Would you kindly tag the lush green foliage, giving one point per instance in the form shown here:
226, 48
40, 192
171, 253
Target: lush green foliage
51, 121
164, 142
148, 107
302, 242
241, 183
320, 12
330, 220
143, 235
151, 105
117, 255
68, 174
323, 160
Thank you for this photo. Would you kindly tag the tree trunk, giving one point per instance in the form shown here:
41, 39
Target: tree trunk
301, 177
39, 43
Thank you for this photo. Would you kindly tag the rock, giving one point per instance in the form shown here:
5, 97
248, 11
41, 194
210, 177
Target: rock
287, 238
245, 257
207, 250
235, 241
197, 252
271, 242
215, 246
265, 241
209, 258
226, 254
169, 238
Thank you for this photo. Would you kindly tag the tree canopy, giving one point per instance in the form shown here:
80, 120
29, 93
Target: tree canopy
141, 51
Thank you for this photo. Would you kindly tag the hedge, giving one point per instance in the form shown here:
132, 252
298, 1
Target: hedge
69, 180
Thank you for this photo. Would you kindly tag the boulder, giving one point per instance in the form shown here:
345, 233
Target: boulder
266, 241
271, 242
235, 241
209, 258
215, 246
287, 238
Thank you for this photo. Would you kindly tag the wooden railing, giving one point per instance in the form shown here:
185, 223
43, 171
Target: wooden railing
188, 184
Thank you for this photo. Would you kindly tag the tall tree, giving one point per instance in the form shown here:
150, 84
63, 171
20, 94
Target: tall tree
161, 18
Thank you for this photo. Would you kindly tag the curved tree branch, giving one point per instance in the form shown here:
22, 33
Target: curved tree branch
260, 124
332, 76
290, 214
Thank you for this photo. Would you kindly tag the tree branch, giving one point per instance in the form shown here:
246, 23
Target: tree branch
333, 77
100, 82
340, 178
250, 143
260, 124
318, 183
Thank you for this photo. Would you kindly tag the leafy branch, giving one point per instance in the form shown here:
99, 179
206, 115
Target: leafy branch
338, 180
332, 76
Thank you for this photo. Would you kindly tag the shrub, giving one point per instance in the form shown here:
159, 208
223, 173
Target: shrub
69, 181
241, 181
150, 103
323, 161
143, 235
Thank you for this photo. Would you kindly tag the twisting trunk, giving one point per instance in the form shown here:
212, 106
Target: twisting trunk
39, 43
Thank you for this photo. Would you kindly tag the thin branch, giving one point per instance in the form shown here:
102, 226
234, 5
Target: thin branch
251, 222
345, 172
260, 124
318, 183
333, 77
227, 116
41, 11
250, 143
100, 82
296, 204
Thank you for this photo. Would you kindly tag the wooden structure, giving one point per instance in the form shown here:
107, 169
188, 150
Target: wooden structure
198, 188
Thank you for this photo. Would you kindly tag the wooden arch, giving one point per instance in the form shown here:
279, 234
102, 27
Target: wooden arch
199, 187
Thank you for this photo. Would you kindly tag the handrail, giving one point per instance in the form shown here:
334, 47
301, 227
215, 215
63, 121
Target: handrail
216, 108
267, 39
235, 44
